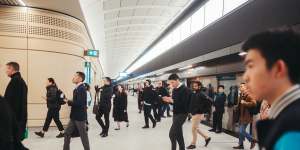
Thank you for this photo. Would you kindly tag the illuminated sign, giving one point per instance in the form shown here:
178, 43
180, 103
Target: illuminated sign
91, 53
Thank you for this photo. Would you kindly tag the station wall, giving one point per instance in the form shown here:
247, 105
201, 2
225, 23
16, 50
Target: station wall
45, 44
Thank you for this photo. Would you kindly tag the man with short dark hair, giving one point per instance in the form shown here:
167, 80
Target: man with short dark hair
78, 116
16, 95
181, 96
148, 100
219, 105
105, 106
273, 74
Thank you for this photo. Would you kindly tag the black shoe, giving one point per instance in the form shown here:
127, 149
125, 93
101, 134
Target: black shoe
104, 135
103, 132
60, 135
163, 116
117, 129
154, 124
40, 134
218, 132
127, 125
212, 130
191, 147
169, 116
207, 141
140, 112
238, 147
145, 127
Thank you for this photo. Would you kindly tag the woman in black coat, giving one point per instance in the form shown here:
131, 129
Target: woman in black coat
120, 106
53, 109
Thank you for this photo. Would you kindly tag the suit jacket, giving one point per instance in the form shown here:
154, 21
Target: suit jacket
79, 104
16, 95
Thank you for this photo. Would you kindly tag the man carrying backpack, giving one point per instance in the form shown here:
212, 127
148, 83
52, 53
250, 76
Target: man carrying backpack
55, 98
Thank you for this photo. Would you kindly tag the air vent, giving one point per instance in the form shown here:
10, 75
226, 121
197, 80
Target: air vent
9, 2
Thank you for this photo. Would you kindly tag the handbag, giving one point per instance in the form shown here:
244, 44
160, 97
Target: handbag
96, 105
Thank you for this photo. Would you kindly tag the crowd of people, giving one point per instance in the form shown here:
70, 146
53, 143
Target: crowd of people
268, 101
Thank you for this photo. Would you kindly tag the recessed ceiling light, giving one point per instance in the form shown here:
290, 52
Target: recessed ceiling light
21, 2
243, 53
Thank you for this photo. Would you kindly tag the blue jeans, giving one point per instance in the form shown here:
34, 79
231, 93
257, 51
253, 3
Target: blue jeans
243, 134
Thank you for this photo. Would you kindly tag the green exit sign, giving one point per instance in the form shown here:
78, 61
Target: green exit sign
91, 53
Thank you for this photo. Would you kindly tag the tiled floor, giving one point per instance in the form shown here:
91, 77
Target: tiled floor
132, 138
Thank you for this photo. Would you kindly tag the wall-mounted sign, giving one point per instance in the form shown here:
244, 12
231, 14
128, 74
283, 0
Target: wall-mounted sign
91, 53
226, 77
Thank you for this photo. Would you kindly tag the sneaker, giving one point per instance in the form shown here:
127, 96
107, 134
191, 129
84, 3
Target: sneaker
60, 135
207, 141
238, 147
145, 127
40, 134
191, 147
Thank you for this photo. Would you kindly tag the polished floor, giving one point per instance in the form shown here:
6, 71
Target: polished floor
132, 138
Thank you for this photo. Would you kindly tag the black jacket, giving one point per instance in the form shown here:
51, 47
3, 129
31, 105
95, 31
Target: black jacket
149, 95
120, 106
7, 120
181, 97
162, 92
52, 99
78, 105
105, 97
269, 131
219, 102
16, 95
200, 103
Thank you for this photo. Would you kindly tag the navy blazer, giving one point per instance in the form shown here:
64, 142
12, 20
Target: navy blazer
79, 104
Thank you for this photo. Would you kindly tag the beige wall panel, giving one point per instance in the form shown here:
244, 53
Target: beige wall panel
46, 64
13, 42
55, 46
7, 55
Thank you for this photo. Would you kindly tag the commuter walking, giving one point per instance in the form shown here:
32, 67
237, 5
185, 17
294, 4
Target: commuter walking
53, 106
246, 102
273, 74
78, 116
16, 96
199, 106
120, 107
157, 106
163, 92
148, 99
140, 97
219, 105
105, 106
181, 96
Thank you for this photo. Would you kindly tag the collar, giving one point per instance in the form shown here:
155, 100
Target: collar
77, 85
284, 101
180, 84
15, 75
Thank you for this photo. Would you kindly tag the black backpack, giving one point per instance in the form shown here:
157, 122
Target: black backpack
60, 97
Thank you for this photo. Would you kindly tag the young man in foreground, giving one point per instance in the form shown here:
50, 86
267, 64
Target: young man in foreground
273, 73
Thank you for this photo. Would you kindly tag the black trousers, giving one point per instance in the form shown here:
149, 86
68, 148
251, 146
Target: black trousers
140, 104
176, 133
147, 114
157, 111
217, 120
14, 145
53, 113
103, 111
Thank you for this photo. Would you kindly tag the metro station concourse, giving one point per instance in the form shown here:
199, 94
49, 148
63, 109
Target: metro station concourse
149, 74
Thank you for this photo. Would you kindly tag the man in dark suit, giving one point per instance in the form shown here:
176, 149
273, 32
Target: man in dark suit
16, 96
219, 104
78, 116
